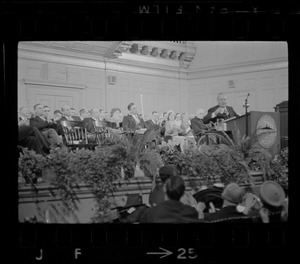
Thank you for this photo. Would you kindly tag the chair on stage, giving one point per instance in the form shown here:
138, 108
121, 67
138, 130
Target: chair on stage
101, 131
76, 135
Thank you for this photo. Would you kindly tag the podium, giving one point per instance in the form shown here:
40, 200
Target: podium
263, 125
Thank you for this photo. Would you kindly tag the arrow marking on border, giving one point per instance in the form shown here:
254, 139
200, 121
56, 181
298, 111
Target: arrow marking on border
165, 253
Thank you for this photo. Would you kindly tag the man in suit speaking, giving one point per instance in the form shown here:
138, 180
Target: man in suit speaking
222, 110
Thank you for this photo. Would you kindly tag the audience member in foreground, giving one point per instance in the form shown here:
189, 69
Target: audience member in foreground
172, 210
231, 211
157, 195
133, 210
274, 204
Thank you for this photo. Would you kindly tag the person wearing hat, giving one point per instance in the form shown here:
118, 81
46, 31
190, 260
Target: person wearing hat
210, 197
172, 210
232, 196
274, 204
133, 210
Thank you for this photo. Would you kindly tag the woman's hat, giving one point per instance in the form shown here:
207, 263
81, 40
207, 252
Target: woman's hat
271, 193
233, 193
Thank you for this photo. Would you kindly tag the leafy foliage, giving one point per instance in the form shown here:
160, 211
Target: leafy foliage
99, 168
137, 149
221, 163
63, 176
31, 166
171, 154
279, 168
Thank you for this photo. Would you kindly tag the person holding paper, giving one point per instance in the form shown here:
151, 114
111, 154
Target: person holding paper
222, 111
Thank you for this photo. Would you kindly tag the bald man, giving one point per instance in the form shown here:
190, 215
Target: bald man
197, 124
222, 110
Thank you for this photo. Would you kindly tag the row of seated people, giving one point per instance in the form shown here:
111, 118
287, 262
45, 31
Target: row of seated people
50, 126
171, 203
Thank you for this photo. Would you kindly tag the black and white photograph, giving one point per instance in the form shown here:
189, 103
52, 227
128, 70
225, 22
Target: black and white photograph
144, 131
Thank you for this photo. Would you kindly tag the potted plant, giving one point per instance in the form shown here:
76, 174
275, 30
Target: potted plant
30, 167
140, 154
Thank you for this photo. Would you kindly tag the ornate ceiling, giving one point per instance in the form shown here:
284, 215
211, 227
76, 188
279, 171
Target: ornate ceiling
174, 54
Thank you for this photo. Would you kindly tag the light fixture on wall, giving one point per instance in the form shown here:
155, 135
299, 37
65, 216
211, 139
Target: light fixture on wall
231, 84
112, 79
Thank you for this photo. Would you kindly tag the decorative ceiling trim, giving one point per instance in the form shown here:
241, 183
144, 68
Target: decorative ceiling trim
265, 66
158, 52
112, 65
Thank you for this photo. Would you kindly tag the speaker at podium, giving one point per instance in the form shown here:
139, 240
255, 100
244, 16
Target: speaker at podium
264, 125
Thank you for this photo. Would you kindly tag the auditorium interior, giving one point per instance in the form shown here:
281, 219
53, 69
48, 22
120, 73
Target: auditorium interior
159, 78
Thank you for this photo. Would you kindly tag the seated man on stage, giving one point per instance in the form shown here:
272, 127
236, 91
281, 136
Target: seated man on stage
90, 122
30, 137
47, 129
53, 121
222, 111
67, 114
197, 124
153, 121
84, 113
132, 121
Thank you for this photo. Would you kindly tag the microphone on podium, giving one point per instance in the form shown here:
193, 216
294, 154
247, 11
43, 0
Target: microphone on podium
246, 101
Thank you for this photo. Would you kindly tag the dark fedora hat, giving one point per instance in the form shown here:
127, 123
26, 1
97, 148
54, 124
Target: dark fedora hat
133, 200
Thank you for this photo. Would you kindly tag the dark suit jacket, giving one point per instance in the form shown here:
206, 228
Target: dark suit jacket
150, 124
76, 118
129, 123
41, 124
88, 123
197, 125
171, 211
208, 117
32, 138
